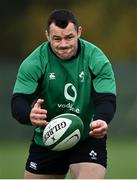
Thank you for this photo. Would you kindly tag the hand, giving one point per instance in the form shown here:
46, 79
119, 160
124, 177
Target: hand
98, 128
38, 115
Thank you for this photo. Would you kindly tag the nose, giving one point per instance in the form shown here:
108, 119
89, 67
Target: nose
63, 43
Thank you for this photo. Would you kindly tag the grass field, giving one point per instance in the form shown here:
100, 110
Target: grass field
122, 163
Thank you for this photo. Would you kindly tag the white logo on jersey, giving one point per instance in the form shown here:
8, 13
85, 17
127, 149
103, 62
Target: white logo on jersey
81, 75
68, 96
33, 165
93, 154
70, 107
52, 76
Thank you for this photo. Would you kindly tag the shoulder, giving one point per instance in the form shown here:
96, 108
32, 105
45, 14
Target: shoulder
36, 60
87, 46
96, 57
91, 49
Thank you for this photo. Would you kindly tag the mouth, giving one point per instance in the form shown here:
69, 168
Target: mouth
64, 51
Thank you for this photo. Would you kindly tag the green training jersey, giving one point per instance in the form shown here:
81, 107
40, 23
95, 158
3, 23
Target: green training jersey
66, 85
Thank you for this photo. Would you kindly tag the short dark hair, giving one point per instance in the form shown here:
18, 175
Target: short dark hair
61, 18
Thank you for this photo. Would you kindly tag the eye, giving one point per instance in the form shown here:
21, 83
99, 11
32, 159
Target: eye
69, 37
57, 39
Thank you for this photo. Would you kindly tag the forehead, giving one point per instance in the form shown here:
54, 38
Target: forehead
55, 30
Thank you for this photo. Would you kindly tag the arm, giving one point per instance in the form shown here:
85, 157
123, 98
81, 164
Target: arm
22, 112
28, 82
21, 107
104, 93
105, 104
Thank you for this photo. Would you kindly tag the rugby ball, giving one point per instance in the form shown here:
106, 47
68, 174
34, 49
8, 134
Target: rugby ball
63, 132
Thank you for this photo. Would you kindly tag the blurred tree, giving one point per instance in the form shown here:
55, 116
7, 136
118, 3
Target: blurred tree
109, 24
12, 8
10, 16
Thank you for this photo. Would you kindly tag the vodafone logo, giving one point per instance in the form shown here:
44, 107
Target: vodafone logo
70, 92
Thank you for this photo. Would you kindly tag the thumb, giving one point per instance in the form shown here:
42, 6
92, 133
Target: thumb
38, 103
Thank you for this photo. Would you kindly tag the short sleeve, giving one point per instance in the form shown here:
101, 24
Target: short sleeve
27, 78
31, 70
104, 81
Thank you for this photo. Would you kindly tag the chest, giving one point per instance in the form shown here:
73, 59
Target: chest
74, 72
67, 82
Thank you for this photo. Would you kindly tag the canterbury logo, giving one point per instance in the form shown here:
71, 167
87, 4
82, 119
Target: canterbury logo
69, 87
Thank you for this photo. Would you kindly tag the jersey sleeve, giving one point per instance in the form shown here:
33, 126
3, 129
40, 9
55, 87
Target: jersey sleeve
104, 81
30, 71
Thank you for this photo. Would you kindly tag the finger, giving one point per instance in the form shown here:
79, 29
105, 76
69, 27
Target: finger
39, 111
38, 103
95, 124
96, 135
39, 122
93, 133
38, 116
98, 130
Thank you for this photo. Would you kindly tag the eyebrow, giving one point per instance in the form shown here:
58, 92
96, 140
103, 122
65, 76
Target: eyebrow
56, 36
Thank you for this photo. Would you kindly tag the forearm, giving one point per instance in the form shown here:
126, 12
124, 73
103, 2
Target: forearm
105, 106
20, 108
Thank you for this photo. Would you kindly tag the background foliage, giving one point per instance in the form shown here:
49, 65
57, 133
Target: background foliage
109, 24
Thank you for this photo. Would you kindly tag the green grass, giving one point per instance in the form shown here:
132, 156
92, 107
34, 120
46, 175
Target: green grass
122, 163
12, 159
122, 159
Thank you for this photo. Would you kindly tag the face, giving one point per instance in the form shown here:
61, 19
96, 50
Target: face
64, 42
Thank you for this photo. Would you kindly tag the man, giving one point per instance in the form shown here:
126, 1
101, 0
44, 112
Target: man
66, 74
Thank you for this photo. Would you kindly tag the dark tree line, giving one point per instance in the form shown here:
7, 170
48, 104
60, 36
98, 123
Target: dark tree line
109, 24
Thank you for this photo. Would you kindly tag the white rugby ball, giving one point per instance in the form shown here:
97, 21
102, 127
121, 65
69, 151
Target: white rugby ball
63, 132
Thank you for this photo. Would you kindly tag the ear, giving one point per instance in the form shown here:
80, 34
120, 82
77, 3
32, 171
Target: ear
79, 31
47, 35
